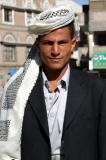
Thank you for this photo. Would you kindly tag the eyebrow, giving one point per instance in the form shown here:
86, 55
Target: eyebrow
51, 41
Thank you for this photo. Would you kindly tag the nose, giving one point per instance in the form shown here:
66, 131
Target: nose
55, 49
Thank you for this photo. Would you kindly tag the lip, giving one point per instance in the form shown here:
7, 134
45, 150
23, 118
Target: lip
55, 59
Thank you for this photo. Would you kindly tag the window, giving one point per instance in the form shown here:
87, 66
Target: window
9, 2
9, 54
30, 40
8, 16
9, 38
29, 3
100, 38
28, 17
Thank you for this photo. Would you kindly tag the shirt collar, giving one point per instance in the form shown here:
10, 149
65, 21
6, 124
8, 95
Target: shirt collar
64, 81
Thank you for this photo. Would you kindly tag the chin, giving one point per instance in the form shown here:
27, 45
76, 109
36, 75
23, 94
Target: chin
55, 67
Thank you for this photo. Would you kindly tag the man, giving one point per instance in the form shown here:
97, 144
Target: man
53, 112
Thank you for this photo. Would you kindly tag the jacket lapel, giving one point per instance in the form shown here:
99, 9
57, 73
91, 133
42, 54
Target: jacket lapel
38, 104
76, 94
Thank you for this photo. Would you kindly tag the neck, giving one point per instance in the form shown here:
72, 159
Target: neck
54, 76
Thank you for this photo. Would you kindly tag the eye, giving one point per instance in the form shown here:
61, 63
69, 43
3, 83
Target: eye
47, 43
62, 42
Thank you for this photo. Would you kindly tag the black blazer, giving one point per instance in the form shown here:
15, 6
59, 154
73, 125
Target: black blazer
84, 130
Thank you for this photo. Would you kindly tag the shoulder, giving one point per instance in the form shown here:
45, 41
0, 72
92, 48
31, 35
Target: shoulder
89, 79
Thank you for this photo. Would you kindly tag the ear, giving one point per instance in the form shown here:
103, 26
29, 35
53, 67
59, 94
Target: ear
73, 44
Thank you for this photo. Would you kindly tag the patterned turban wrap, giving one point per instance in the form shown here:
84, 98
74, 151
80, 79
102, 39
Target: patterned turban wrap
17, 90
52, 19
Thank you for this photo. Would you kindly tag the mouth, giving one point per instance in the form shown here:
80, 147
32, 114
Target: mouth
55, 59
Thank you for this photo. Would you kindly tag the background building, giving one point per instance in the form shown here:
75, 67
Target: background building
84, 32
15, 41
97, 35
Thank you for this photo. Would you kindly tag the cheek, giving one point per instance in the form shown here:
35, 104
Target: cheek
44, 51
67, 49
68, 56
67, 53
43, 48
44, 55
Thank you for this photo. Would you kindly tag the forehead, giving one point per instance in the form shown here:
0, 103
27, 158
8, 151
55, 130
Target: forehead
61, 33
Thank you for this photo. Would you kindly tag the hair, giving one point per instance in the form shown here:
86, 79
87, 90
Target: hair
72, 29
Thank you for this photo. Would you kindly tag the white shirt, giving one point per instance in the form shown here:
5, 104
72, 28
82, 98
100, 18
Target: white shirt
55, 106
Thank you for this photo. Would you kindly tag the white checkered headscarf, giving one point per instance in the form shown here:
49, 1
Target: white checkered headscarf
52, 19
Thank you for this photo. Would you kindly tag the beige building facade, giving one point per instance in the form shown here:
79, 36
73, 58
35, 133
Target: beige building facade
15, 41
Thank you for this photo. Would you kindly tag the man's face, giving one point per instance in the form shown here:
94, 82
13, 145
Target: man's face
55, 48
